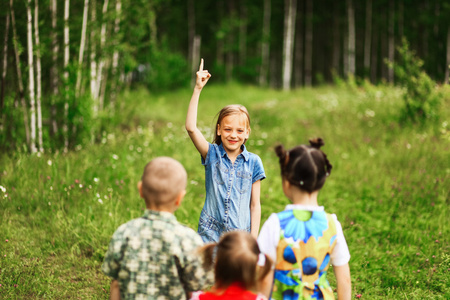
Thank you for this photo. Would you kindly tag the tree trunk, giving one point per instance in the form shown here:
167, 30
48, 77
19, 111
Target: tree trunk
265, 45
335, 61
447, 66
54, 82
93, 57
298, 55
82, 45
38, 76
5, 66
102, 54
19, 75
229, 66
391, 45
66, 75
374, 54
400, 18
351, 38
220, 39
191, 35
31, 77
384, 46
243, 20
368, 37
308, 43
115, 60
290, 11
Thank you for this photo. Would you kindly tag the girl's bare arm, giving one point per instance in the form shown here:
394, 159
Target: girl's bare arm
344, 284
255, 208
191, 119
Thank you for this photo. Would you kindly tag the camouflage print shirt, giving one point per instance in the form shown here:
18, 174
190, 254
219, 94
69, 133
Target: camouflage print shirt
154, 257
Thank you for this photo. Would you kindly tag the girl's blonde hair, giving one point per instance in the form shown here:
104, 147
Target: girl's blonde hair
233, 109
235, 259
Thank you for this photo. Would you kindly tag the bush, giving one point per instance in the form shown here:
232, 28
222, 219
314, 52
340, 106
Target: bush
422, 98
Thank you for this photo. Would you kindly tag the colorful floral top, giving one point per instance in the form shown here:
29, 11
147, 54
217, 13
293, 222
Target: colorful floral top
303, 241
154, 257
233, 292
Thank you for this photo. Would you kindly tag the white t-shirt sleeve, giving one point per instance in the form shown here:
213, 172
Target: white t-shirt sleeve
340, 255
269, 237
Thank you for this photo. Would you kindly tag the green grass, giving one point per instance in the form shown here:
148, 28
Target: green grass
389, 187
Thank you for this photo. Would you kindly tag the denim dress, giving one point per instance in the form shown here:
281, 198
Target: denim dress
228, 191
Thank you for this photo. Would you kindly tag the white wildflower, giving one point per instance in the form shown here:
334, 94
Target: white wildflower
369, 113
100, 201
49, 162
96, 179
114, 156
3, 189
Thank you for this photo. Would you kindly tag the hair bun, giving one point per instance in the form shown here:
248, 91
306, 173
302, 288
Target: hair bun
280, 151
316, 143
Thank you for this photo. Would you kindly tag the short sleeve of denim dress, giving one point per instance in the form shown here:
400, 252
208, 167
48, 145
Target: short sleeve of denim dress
228, 191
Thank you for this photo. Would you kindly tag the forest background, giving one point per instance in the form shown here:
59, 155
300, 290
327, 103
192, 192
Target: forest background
91, 90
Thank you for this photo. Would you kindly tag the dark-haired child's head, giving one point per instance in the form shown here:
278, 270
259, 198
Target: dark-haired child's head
305, 167
237, 259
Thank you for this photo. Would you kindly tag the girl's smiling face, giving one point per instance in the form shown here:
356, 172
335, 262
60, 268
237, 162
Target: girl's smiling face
233, 132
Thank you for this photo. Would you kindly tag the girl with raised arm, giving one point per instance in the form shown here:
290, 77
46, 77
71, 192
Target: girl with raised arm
232, 174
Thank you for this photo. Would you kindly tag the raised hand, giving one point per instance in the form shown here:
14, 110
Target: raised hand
202, 76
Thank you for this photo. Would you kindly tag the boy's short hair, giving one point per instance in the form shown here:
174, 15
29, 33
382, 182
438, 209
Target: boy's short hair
163, 179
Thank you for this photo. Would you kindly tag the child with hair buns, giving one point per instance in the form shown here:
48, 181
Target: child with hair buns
241, 270
304, 240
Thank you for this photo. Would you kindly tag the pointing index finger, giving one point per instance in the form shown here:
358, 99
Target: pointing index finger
201, 65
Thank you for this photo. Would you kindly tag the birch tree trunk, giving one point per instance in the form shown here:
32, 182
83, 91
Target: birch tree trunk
102, 55
19, 75
351, 38
391, 45
115, 59
308, 42
82, 45
5, 66
93, 57
66, 75
368, 36
38, 76
290, 11
298, 49
265, 46
54, 69
447, 66
31, 77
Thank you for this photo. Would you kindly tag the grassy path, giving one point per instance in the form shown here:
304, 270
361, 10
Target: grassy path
389, 188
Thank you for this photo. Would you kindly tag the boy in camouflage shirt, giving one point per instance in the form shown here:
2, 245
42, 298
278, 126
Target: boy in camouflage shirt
154, 257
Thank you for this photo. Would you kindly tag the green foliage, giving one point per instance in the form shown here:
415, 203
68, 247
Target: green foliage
422, 99
58, 211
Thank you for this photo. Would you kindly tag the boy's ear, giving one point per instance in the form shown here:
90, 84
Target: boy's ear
179, 198
139, 186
